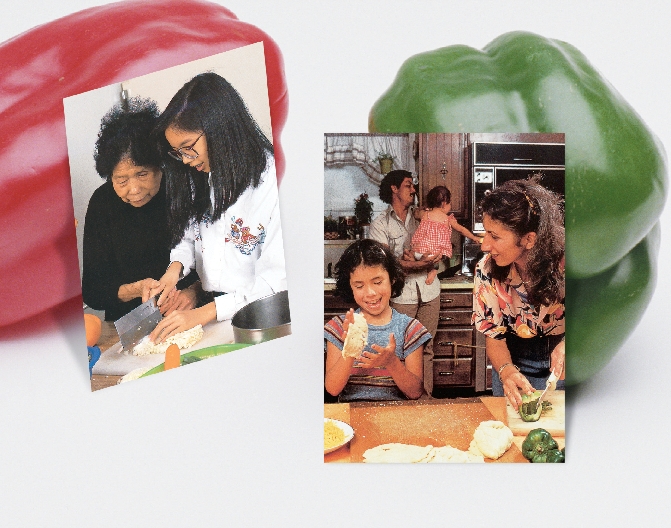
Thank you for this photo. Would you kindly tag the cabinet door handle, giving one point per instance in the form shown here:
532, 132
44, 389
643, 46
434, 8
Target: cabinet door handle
446, 343
446, 373
445, 318
448, 300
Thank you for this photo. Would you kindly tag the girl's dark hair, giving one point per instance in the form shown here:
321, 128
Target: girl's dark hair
367, 252
125, 133
525, 206
436, 196
237, 150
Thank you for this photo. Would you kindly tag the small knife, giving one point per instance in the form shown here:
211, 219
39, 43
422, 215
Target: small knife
138, 323
550, 385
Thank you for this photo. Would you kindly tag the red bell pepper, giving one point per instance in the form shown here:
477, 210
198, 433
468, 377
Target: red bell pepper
81, 52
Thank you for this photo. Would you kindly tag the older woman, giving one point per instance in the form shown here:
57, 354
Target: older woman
126, 237
518, 300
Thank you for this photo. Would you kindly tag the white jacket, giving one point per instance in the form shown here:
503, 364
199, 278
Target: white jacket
242, 253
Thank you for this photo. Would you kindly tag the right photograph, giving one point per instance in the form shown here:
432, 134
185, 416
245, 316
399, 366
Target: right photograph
444, 292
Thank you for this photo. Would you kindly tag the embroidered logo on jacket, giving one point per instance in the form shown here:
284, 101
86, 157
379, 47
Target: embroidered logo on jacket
242, 236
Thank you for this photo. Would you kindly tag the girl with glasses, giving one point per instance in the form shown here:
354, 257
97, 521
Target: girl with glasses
223, 208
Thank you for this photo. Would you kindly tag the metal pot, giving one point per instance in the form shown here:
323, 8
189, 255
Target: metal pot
262, 320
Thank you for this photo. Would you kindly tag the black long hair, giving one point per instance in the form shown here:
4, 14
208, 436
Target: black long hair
525, 206
125, 134
367, 252
237, 150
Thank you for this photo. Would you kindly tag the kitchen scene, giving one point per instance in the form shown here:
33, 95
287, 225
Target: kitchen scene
458, 410
124, 243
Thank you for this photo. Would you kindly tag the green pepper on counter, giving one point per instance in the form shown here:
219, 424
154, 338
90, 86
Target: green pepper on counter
539, 445
615, 167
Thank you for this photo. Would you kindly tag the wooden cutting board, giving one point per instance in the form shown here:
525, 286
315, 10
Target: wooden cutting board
552, 420
436, 422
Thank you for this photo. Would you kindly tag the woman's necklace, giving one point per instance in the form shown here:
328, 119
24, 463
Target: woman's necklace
519, 273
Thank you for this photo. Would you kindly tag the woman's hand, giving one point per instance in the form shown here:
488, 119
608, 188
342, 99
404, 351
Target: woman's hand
558, 360
136, 289
164, 285
514, 383
181, 320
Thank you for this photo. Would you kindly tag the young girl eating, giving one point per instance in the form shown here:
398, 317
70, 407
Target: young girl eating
390, 367
434, 234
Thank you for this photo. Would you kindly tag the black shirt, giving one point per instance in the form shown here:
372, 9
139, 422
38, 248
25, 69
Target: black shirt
123, 244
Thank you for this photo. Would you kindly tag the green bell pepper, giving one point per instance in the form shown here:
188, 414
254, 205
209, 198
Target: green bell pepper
537, 444
615, 167
555, 456
529, 410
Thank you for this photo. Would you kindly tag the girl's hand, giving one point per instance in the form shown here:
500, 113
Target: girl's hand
179, 300
513, 383
558, 360
383, 357
181, 320
165, 284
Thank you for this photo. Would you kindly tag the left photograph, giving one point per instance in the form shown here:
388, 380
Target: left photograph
177, 216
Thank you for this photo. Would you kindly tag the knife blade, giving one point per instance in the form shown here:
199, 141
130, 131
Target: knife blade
550, 385
138, 323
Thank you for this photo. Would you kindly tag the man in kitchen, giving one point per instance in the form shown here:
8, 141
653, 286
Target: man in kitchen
395, 227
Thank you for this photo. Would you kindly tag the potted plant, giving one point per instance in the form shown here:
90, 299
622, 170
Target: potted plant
386, 161
363, 210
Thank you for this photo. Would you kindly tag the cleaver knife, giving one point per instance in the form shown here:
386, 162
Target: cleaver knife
138, 323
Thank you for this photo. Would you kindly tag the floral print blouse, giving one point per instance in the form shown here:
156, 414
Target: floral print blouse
500, 307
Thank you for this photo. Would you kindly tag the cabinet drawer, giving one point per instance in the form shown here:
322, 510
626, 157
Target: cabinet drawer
459, 317
447, 372
442, 343
450, 299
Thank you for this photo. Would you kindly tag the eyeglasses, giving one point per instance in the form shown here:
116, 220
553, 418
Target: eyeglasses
187, 152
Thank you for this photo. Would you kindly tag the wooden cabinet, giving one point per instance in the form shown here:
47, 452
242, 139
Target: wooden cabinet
441, 161
459, 357
334, 305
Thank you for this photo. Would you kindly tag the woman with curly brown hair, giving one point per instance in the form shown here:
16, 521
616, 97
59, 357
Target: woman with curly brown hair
518, 300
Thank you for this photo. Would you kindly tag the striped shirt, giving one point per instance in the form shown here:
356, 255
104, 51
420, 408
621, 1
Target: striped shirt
377, 383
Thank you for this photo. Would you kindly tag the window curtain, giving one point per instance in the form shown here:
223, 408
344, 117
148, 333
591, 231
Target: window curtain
363, 149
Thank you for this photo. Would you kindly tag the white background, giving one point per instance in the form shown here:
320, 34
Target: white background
237, 441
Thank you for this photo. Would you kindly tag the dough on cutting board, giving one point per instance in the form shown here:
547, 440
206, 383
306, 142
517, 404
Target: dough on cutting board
134, 374
397, 454
357, 337
183, 340
492, 438
413, 454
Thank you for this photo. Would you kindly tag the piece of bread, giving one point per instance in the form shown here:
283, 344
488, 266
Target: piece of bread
357, 337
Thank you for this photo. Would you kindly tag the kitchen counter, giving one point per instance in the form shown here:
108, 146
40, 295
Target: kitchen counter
454, 283
434, 422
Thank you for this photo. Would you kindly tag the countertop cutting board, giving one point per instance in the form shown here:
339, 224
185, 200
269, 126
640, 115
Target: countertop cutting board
552, 420
435, 422
115, 362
